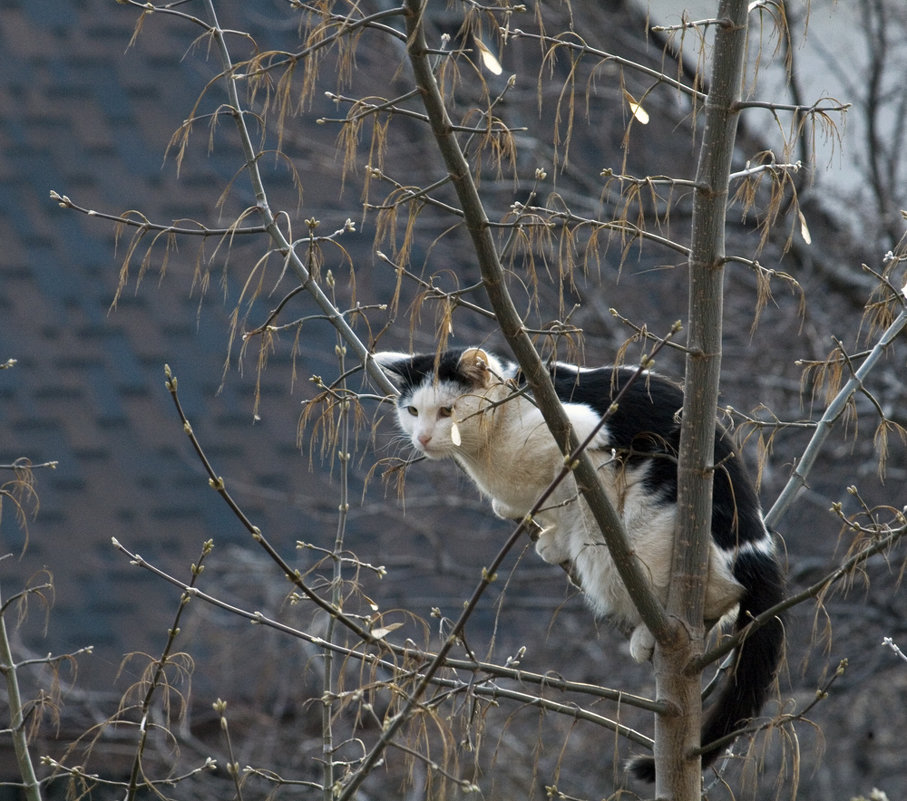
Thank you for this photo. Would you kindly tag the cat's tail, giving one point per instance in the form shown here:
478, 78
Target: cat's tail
755, 662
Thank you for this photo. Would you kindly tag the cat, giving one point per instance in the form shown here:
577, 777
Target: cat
472, 406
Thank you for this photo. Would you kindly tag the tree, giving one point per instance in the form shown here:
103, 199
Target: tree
539, 236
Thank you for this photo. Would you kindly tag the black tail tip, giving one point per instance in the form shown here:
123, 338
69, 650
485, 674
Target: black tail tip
642, 768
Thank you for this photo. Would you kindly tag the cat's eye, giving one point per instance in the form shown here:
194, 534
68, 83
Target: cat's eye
413, 411
445, 411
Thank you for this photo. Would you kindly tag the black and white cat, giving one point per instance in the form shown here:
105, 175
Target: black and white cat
468, 405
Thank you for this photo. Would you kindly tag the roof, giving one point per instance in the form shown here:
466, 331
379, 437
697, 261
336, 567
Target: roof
84, 115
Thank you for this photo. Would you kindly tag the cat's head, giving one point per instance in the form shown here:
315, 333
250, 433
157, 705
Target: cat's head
443, 396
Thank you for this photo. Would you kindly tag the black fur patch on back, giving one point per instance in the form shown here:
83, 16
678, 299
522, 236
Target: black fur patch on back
646, 425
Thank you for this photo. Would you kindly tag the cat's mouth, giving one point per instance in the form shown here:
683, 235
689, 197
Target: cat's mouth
432, 451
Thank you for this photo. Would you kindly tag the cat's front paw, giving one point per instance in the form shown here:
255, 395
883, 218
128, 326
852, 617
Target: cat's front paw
642, 644
551, 548
505, 511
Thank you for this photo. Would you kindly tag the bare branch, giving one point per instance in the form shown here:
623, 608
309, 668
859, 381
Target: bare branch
825, 424
282, 244
30, 784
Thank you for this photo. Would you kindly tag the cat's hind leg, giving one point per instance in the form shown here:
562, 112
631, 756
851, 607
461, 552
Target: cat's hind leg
642, 643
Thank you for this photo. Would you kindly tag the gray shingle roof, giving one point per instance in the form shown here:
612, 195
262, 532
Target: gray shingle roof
82, 115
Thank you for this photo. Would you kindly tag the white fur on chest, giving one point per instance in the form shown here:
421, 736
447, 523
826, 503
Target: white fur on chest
518, 462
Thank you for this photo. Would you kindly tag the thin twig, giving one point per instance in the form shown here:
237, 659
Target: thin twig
158, 678
327, 710
824, 426
30, 785
582, 48
486, 671
220, 707
817, 588
282, 244
216, 482
890, 643
146, 225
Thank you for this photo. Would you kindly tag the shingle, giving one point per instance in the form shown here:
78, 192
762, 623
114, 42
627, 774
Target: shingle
51, 14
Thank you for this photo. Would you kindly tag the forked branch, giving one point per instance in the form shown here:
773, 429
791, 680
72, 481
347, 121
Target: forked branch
281, 243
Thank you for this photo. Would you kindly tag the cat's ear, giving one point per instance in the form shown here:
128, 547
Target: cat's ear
475, 367
394, 365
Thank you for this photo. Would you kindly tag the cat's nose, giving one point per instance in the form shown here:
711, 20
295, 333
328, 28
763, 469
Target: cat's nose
424, 439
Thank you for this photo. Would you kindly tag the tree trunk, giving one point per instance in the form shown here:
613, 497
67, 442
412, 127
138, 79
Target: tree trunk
677, 732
